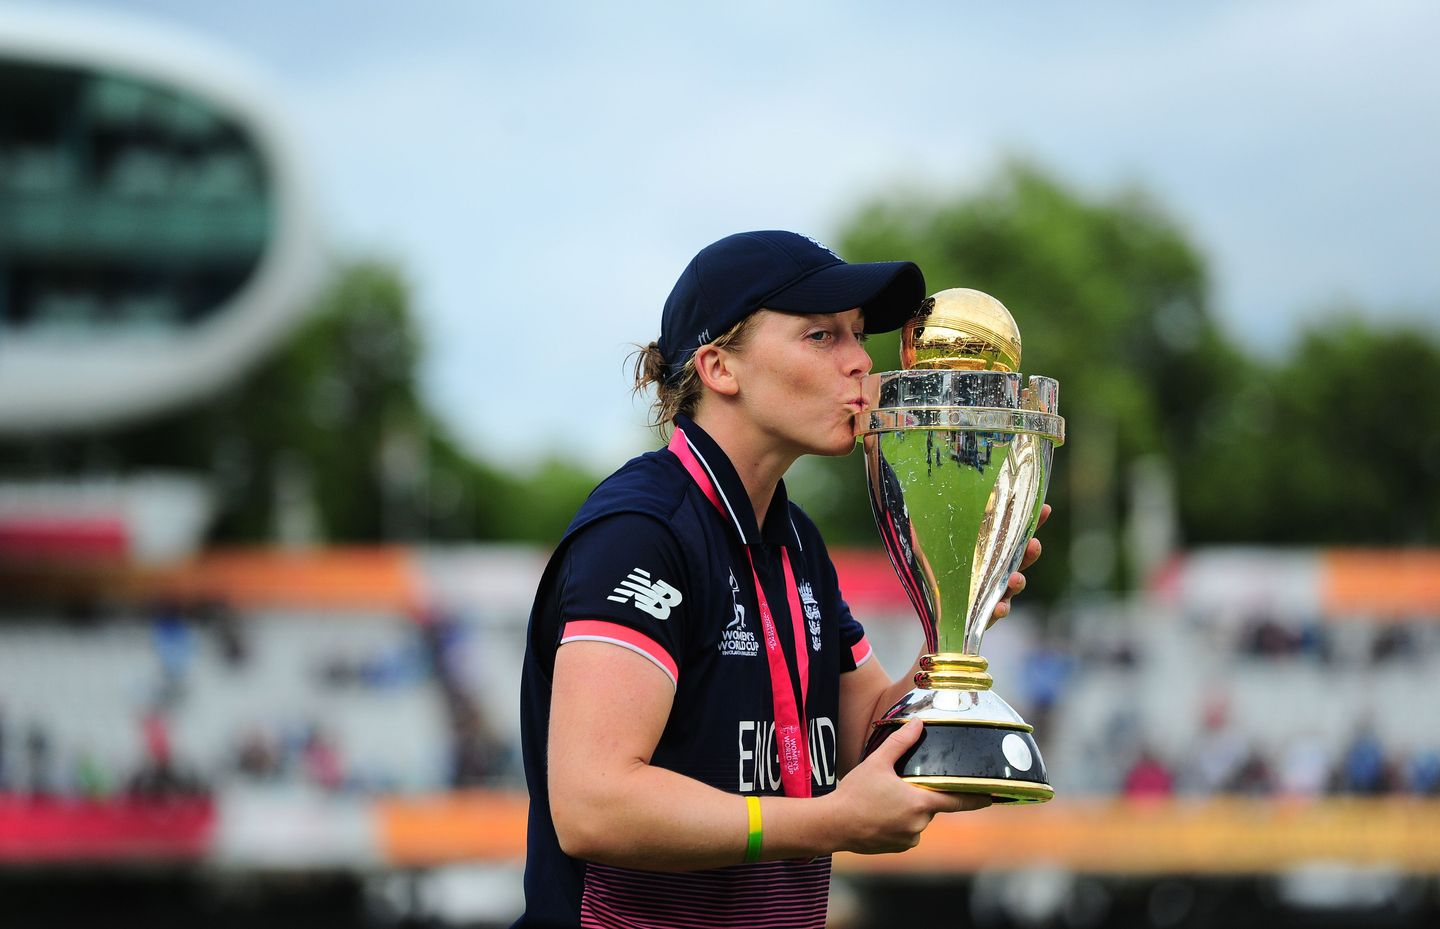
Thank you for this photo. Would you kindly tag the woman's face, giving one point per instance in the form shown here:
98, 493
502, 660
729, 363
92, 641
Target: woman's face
799, 379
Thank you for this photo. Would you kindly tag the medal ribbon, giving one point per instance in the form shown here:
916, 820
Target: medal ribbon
792, 739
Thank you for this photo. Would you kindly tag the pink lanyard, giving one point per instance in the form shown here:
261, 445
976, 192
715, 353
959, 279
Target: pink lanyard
791, 738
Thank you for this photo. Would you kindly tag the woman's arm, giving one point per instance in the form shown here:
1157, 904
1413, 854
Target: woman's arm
609, 707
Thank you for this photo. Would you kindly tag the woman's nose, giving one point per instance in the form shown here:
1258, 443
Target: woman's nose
858, 361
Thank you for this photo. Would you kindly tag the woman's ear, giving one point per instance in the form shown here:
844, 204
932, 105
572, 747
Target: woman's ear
715, 368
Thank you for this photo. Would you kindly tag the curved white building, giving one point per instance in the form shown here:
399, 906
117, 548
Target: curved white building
156, 231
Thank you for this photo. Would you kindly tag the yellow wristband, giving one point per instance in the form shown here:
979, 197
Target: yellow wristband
752, 843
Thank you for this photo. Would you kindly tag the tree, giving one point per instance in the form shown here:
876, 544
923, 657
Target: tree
327, 438
339, 405
1339, 444
322, 421
1111, 299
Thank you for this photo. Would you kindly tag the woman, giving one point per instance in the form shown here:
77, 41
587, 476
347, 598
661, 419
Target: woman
695, 690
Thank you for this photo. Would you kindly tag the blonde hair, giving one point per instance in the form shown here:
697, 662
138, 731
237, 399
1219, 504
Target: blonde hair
682, 395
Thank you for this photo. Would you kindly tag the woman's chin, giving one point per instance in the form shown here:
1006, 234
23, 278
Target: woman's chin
842, 445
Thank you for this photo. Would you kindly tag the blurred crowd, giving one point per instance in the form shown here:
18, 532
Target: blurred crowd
1377, 644
297, 748
303, 748
1339, 748
1224, 761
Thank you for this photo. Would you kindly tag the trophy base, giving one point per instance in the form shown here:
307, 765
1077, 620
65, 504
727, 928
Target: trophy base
988, 750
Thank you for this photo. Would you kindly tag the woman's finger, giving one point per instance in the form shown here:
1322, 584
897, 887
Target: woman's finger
1032, 553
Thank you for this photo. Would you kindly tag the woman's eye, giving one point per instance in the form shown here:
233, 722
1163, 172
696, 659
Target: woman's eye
862, 336
819, 335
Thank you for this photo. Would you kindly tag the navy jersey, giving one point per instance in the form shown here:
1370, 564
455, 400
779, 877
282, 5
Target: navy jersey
653, 565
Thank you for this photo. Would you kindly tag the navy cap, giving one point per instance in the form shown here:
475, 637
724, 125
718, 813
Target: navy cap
732, 278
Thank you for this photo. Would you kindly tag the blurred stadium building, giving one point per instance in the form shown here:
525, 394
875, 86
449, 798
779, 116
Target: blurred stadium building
157, 234
231, 736
156, 238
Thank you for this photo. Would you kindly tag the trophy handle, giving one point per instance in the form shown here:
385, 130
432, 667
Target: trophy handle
887, 504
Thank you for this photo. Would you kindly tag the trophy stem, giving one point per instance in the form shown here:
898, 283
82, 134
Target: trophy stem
953, 671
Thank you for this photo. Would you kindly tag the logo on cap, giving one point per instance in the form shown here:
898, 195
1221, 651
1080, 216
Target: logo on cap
821, 245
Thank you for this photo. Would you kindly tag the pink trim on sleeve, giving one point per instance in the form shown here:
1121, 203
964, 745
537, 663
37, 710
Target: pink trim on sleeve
596, 630
862, 651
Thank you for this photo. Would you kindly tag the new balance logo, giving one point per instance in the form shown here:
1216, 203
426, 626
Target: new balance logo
654, 597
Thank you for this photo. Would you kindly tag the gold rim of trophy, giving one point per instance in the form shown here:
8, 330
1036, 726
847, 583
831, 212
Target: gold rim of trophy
1021, 726
990, 786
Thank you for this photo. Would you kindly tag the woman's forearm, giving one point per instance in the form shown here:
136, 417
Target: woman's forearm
653, 818
649, 817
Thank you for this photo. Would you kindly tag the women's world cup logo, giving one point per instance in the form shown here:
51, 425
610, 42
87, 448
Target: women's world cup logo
736, 639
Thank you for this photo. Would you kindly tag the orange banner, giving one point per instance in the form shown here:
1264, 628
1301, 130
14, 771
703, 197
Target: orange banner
1220, 836
1387, 583
452, 827
335, 579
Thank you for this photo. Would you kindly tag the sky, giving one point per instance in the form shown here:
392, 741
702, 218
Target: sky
543, 171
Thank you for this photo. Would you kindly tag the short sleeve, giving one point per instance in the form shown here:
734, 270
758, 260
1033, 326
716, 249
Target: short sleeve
855, 648
625, 583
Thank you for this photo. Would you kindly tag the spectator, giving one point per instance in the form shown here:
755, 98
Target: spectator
1148, 777
1045, 676
1315, 641
90, 778
322, 760
159, 777
1392, 642
1305, 768
1266, 638
225, 626
174, 648
1253, 777
1363, 770
1221, 751
476, 754
1423, 773
37, 749
155, 730
258, 757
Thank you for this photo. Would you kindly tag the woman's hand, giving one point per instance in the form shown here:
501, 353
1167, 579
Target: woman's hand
1017, 580
878, 812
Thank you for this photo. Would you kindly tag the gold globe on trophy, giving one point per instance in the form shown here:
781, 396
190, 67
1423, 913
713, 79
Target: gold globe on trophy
958, 451
961, 330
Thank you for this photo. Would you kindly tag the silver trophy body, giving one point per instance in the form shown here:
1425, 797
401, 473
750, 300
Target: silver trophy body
958, 463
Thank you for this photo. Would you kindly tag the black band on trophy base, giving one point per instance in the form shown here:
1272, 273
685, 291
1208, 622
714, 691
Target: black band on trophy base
999, 762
